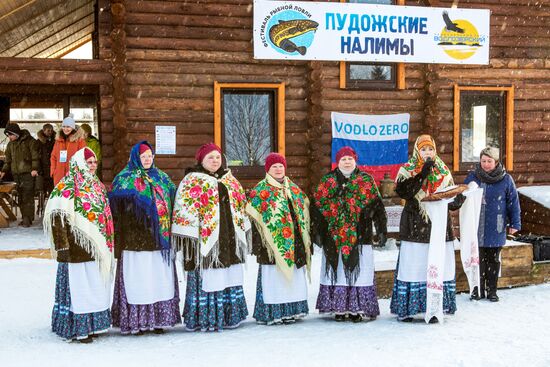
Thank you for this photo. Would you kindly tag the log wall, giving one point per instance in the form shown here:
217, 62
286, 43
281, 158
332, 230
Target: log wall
158, 61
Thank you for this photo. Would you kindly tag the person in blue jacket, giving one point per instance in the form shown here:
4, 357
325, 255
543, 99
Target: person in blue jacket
499, 211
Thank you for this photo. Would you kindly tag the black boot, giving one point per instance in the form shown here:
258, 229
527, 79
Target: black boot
433, 320
475, 295
492, 296
340, 317
356, 318
86, 340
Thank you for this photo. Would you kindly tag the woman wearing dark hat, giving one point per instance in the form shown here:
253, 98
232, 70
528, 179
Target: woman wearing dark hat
346, 204
211, 227
78, 222
421, 176
281, 243
146, 295
69, 140
500, 210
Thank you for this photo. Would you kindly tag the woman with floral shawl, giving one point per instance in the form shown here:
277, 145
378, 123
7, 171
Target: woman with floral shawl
211, 227
79, 225
421, 176
347, 202
281, 243
146, 295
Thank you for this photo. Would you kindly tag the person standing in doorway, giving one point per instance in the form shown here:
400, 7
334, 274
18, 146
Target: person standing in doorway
69, 140
23, 161
93, 143
46, 138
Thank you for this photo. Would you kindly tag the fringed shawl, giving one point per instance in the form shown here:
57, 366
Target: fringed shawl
196, 217
80, 200
340, 202
147, 195
439, 178
269, 209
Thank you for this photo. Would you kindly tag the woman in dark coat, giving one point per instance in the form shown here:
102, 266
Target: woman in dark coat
146, 296
279, 210
211, 227
499, 211
78, 222
346, 203
421, 176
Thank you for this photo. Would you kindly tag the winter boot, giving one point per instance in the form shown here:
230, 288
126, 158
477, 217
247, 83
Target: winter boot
475, 295
356, 318
340, 317
492, 296
86, 340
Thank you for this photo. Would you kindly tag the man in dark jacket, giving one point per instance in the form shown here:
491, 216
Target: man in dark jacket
46, 139
23, 160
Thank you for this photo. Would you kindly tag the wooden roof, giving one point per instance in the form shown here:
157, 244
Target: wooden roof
44, 28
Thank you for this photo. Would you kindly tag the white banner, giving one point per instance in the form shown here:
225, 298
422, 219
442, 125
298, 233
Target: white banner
367, 32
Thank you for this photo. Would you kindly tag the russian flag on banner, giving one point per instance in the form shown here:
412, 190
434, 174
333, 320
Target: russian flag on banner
381, 141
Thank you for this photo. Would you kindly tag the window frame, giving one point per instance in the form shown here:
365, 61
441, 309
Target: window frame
278, 90
396, 84
507, 133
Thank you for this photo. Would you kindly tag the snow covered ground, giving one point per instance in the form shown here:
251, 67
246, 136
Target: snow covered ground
513, 332
19, 238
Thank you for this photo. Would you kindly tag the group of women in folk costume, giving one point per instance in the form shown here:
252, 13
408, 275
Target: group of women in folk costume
215, 225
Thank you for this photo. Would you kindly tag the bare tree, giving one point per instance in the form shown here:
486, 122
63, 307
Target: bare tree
247, 127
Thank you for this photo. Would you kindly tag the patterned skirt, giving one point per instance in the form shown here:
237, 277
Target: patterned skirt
276, 313
212, 311
67, 324
135, 318
409, 298
345, 299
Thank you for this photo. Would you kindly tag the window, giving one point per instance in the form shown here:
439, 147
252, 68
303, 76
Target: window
482, 116
372, 75
249, 124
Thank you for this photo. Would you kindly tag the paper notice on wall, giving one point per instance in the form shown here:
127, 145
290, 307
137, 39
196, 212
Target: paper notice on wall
165, 139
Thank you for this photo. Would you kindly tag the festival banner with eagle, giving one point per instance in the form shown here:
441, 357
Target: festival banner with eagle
335, 31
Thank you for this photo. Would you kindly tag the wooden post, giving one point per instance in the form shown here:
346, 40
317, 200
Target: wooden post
315, 124
118, 70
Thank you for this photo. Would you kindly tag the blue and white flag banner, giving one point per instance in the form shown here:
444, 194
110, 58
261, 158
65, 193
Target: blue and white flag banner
335, 31
381, 141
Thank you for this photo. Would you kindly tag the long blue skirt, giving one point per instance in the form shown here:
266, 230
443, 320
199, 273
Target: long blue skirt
212, 311
65, 323
276, 313
409, 298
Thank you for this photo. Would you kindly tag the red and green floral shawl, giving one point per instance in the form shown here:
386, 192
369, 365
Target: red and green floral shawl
196, 216
269, 209
340, 202
80, 199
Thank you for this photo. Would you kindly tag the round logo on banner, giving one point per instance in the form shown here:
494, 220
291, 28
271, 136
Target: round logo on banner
291, 32
459, 38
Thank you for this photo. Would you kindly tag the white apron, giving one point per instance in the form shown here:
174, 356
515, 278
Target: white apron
147, 277
214, 280
89, 292
277, 289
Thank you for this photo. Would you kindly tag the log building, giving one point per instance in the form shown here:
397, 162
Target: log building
176, 63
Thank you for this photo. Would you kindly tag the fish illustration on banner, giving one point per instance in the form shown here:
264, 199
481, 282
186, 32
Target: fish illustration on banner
381, 141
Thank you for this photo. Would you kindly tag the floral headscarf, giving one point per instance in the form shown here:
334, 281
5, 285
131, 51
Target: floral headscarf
150, 193
440, 177
80, 199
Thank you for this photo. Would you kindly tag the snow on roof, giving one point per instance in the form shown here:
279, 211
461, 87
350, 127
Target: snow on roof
540, 194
